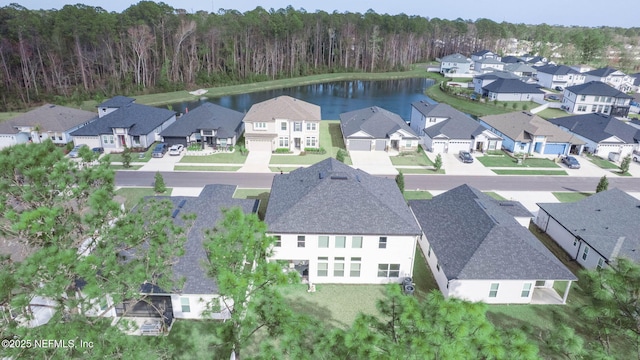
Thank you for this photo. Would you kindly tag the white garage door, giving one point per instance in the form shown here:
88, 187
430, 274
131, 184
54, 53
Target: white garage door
437, 147
90, 141
259, 145
457, 146
359, 145
381, 145
604, 150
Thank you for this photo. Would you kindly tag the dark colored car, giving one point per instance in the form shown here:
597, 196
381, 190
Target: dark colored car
559, 88
465, 156
98, 150
553, 97
75, 152
159, 150
571, 162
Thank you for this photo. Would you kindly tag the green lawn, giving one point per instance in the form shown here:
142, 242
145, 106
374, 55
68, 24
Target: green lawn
476, 107
135, 156
495, 195
418, 158
552, 113
422, 275
570, 196
222, 158
529, 172
205, 168
121, 167
261, 194
602, 163
336, 305
8, 115
330, 139
507, 161
420, 171
193, 339
417, 195
284, 169
133, 196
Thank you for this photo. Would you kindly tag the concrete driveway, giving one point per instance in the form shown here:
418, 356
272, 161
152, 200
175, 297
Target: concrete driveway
373, 162
164, 163
452, 165
257, 161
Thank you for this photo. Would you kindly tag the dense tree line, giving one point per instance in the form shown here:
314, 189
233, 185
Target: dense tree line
80, 51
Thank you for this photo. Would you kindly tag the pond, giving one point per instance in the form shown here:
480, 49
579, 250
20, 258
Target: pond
335, 98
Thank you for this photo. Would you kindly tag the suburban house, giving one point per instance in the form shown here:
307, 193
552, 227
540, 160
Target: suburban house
512, 90
553, 76
612, 77
208, 125
523, 132
48, 121
337, 224
478, 251
602, 134
377, 129
488, 64
444, 129
595, 230
484, 54
521, 69
596, 96
123, 123
535, 60
198, 295
282, 123
455, 64
480, 81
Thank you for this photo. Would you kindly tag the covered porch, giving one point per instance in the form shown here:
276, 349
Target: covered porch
543, 295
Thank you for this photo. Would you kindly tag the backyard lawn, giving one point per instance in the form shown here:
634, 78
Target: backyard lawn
507, 161
552, 113
330, 139
570, 196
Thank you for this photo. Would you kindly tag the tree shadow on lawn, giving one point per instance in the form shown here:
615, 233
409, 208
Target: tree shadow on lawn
336, 136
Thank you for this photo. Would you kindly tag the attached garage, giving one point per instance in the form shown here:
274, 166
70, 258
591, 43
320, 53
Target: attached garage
555, 149
457, 146
359, 145
259, 145
604, 150
174, 140
90, 141
437, 147
380, 145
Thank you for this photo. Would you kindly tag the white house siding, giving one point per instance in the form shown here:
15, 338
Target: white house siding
198, 305
515, 96
456, 146
7, 140
509, 291
432, 261
399, 250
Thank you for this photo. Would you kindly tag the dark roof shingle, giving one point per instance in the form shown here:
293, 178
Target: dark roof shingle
207, 116
375, 121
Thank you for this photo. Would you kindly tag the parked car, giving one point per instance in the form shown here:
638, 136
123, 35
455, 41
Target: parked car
75, 152
159, 150
636, 155
465, 156
559, 88
176, 150
553, 97
571, 162
98, 150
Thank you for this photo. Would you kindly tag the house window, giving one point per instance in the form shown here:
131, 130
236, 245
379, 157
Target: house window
300, 240
438, 266
408, 144
184, 303
585, 253
607, 108
582, 108
594, 108
136, 140
283, 125
432, 120
323, 241
340, 242
526, 290
278, 242
382, 243
60, 137
354, 271
297, 126
597, 99
388, 270
493, 292
260, 126
283, 141
356, 242
311, 142
575, 241
338, 267
600, 264
311, 126
429, 251
323, 266
583, 97
540, 283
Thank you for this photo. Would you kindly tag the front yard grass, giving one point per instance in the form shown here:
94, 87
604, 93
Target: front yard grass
133, 196
602, 163
507, 161
121, 167
476, 107
416, 158
330, 139
234, 157
495, 195
420, 171
570, 196
284, 169
260, 194
528, 172
135, 156
417, 195
205, 168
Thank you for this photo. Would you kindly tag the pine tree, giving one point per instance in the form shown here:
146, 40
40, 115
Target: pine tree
126, 158
438, 163
400, 181
603, 184
624, 165
158, 185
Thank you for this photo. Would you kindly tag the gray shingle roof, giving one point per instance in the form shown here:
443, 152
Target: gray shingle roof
459, 58
207, 206
597, 88
375, 121
474, 238
498, 75
602, 219
602, 72
117, 101
283, 107
330, 197
50, 118
519, 67
556, 69
512, 86
139, 119
598, 127
521, 125
207, 116
457, 126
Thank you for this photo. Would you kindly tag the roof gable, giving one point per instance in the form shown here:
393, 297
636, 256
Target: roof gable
597, 88
512, 86
375, 121
207, 116
598, 127
283, 107
51, 118
139, 119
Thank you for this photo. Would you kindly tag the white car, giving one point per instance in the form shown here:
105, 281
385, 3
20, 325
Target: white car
176, 150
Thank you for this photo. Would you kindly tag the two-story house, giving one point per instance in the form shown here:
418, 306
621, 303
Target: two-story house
485, 61
282, 123
558, 76
455, 64
596, 96
123, 123
612, 77
337, 224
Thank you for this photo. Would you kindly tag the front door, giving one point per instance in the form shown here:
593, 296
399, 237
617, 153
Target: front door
480, 146
121, 141
296, 142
